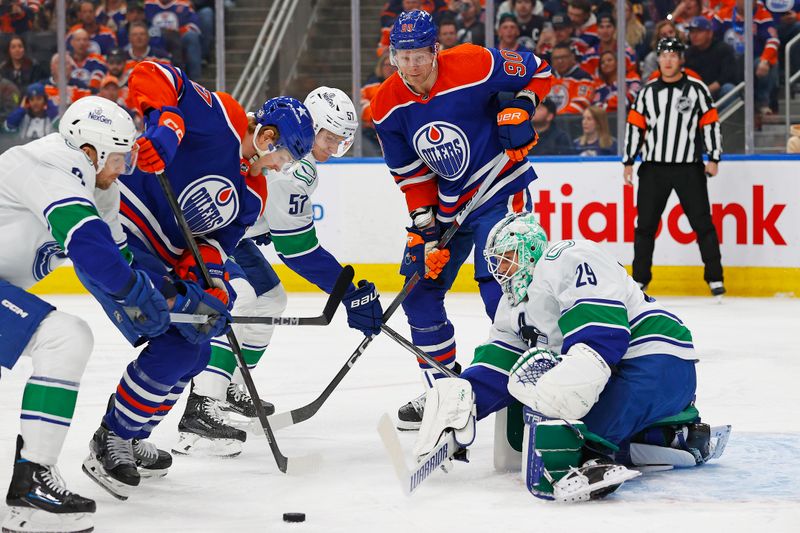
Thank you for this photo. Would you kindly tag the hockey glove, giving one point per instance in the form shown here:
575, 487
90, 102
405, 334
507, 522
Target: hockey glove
515, 130
422, 255
145, 306
187, 268
164, 133
364, 311
192, 299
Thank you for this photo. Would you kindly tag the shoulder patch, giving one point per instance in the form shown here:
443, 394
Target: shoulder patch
554, 252
307, 172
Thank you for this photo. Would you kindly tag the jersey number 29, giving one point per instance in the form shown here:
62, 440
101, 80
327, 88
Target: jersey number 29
585, 270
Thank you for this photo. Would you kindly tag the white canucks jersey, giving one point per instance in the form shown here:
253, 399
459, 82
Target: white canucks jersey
289, 218
580, 294
48, 212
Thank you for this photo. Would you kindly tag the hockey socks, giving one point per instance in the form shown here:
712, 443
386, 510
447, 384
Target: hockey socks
47, 408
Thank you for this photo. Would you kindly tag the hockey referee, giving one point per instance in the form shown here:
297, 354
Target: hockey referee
673, 120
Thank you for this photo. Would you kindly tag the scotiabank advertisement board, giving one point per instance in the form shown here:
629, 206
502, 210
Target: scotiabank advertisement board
361, 213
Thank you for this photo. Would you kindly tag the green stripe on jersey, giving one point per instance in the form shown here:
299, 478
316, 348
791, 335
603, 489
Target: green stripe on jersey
661, 325
127, 255
493, 355
295, 244
55, 400
588, 312
63, 219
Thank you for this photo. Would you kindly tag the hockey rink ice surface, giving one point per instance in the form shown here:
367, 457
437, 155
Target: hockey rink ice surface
748, 376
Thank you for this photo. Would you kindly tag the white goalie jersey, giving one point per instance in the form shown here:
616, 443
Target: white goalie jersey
580, 294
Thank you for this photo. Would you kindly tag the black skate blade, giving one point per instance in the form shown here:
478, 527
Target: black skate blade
117, 489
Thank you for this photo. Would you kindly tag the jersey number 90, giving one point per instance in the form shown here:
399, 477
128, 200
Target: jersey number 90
513, 63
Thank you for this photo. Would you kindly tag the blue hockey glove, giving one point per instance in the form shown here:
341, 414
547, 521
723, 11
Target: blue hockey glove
514, 128
364, 311
186, 268
422, 254
192, 299
145, 306
164, 132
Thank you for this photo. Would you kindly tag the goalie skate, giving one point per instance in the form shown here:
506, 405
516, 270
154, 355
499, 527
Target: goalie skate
596, 479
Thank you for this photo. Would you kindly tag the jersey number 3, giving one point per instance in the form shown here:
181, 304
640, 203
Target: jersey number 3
513, 63
586, 271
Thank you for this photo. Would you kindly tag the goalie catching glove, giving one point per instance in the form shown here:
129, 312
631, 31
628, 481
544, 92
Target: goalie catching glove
568, 390
422, 255
449, 405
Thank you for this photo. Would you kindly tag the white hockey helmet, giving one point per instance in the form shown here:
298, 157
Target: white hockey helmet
333, 110
102, 124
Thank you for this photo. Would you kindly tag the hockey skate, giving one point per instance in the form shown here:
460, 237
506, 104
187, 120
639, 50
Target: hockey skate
111, 463
688, 445
240, 412
595, 479
202, 430
39, 501
409, 417
717, 290
151, 462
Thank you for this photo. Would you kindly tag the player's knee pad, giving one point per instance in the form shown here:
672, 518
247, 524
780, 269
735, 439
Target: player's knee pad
271, 303
61, 347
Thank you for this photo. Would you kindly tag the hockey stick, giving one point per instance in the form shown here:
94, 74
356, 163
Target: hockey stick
339, 289
285, 464
295, 416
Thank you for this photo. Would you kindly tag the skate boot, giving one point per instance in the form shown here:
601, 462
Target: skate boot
409, 417
202, 430
239, 402
152, 462
717, 289
111, 463
595, 479
39, 501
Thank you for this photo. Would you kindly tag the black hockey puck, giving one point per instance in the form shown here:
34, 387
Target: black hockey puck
294, 517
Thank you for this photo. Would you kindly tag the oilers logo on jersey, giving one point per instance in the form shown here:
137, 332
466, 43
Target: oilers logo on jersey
209, 203
444, 148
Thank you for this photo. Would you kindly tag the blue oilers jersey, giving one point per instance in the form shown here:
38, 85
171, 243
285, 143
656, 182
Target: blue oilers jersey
207, 174
439, 147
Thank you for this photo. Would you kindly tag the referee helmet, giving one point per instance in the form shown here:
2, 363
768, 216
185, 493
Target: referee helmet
670, 44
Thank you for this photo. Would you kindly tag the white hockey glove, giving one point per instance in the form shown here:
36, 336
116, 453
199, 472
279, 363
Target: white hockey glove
569, 390
450, 404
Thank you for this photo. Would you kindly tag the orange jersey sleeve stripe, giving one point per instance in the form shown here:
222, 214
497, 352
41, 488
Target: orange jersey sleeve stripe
709, 117
421, 194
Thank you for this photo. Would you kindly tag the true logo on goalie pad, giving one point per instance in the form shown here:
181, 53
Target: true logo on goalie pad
209, 203
444, 147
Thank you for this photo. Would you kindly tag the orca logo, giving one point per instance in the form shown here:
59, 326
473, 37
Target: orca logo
444, 148
209, 203
43, 260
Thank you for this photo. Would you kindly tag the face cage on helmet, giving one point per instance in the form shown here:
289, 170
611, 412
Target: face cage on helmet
515, 285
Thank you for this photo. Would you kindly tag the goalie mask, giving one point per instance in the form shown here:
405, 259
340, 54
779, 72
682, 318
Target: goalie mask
513, 248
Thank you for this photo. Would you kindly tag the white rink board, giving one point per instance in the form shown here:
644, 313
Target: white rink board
361, 212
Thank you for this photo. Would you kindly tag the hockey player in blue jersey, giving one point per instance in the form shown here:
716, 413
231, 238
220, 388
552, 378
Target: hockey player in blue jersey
53, 206
605, 372
199, 139
288, 223
443, 128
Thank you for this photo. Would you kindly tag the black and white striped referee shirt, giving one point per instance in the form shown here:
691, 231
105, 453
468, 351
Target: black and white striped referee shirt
672, 122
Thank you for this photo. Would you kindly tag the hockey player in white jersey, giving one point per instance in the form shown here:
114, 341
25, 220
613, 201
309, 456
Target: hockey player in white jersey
50, 209
606, 374
288, 223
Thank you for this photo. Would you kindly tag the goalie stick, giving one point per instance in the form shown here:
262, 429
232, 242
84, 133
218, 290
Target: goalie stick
339, 289
290, 465
301, 414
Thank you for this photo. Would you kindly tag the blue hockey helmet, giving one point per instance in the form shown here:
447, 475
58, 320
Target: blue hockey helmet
294, 124
413, 29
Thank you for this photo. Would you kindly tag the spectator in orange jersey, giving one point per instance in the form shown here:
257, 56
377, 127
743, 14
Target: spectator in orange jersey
15, 18
383, 69
102, 37
606, 90
607, 35
89, 68
139, 48
75, 89
573, 89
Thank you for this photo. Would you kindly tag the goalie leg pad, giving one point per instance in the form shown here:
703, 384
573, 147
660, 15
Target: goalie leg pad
550, 448
450, 404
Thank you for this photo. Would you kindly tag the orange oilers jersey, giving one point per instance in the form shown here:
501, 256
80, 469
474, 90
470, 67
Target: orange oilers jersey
573, 92
439, 147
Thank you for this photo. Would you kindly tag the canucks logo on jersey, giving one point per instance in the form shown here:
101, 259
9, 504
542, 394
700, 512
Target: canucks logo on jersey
209, 203
444, 148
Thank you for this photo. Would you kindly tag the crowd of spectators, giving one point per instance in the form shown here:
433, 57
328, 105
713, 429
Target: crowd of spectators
105, 40
579, 40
